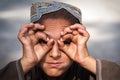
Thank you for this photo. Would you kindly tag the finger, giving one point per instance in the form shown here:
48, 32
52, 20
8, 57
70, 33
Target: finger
50, 43
66, 30
42, 50
38, 27
29, 25
23, 37
83, 33
41, 35
66, 49
60, 43
67, 36
33, 39
62, 46
75, 32
22, 33
77, 26
32, 36
70, 50
31, 32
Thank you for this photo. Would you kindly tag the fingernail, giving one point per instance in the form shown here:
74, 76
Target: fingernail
61, 33
31, 23
48, 39
71, 26
79, 29
42, 26
61, 39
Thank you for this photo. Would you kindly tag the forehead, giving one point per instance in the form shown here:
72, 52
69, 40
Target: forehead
53, 27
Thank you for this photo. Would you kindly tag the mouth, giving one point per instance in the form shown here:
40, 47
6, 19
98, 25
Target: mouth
54, 64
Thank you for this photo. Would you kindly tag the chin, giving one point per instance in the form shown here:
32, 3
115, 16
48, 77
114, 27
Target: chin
54, 73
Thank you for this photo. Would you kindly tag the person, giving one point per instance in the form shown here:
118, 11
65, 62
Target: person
55, 48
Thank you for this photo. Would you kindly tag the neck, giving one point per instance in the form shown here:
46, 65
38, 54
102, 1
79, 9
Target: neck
56, 78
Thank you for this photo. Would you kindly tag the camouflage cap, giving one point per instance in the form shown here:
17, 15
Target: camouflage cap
43, 7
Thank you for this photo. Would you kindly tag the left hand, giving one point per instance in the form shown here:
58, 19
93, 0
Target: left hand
77, 49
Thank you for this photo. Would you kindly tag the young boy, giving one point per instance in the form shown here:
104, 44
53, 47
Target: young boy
55, 48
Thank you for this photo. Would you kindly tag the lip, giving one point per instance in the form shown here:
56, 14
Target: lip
54, 64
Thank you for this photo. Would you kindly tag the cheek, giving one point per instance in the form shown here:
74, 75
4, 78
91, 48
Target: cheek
66, 59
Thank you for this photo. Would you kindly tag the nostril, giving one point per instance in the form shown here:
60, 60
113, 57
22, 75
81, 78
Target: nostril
55, 55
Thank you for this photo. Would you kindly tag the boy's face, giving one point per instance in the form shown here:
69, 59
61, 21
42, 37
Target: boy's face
55, 62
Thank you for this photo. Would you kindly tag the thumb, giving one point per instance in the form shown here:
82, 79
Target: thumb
62, 46
41, 50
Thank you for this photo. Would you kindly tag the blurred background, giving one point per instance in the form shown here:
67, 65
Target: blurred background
101, 17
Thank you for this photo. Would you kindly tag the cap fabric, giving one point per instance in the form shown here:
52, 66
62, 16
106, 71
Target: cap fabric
40, 8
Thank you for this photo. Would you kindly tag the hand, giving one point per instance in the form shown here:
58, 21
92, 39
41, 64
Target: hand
77, 49
32, 49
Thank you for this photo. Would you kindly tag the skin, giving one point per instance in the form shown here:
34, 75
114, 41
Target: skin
48, 48
55, 62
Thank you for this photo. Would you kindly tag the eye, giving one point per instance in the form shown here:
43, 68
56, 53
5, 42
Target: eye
67, 41
41, 41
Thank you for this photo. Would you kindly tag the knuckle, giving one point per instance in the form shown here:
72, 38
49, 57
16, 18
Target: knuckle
25, 25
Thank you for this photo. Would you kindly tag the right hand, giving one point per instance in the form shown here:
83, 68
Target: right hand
33, 50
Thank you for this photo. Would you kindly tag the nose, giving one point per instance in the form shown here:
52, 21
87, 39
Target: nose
55, 52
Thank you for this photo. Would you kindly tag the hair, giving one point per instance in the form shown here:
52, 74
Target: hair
62, 14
